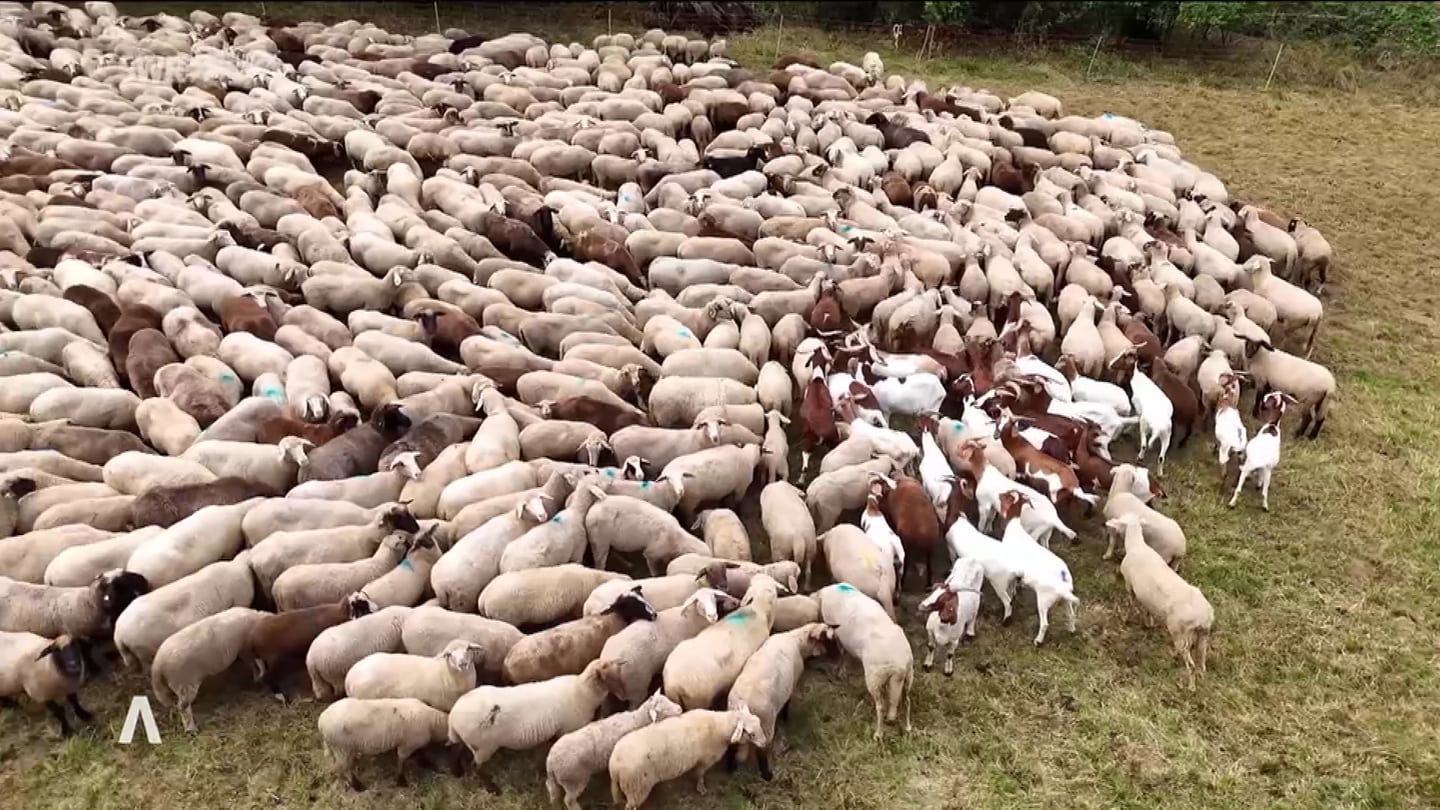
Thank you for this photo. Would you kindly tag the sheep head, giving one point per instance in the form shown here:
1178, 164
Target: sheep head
293, 448
408, 464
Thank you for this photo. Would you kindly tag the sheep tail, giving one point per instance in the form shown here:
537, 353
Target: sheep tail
163, 692
552, 787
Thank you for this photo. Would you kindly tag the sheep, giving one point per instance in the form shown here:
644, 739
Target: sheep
438, 681
274, 468
832, 493
576, 756
702, 668
712, 474
45, 670
351, 728
1314, 256
161, 613
1310, 384
1161, 532
462, 573
25, 557
953, 608
724, 534
80, 565
789, 526
568, 648
541, 595
1187, 614
689, 744
339, 648
132, 473
277, 639
112, 408
197, 652
868, 633
87, 611
677, 401
767, 683
556, 541
626, 524
660, 446
519, 717
853, 557
311, 584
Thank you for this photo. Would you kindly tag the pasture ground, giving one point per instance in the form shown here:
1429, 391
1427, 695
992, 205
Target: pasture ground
1323, 685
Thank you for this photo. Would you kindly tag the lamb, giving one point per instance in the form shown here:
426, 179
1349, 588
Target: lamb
84, 612
689, 744
438, 681
1184, 609
702, 668
161, 613
339, 648
768, 681
277, 639
520, 717
953, 606
197, 652
576, 756
866, 632
1161, 532
568, 648
45, 670
541, 595
352, 728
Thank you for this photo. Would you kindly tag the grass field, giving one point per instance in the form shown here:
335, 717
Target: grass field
1323, 686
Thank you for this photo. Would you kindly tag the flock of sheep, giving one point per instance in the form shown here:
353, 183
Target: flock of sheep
336, 348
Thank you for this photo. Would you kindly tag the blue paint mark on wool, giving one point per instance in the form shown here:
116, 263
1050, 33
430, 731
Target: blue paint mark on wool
405, 563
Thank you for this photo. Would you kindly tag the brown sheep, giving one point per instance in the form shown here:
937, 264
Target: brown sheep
315, 203
149, 351
568, 648
446, 331
605, 416
104, 309
278, 639
593, 246
93, 445
133, 318
166, 506
272, 430
242, 313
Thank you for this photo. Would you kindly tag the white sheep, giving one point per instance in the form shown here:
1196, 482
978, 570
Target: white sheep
702, 668
541, 595
575, 757
490, 718
311, 584
689, 744
337, 649
46, 671
161, 613
439, 681
190, 656
351, 728
869, 634
209, 535
769, 679
1184, 609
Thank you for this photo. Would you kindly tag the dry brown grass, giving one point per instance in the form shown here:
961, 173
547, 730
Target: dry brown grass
1323, 689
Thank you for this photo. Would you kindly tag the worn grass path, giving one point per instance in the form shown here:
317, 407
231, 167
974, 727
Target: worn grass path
1323, 690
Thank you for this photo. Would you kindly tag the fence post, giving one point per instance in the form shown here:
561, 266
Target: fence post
436, 4
895, 32
609, 21
1093, 54
779, 32
1273, 66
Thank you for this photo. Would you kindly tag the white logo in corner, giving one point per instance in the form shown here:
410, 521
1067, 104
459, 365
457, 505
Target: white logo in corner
140, 711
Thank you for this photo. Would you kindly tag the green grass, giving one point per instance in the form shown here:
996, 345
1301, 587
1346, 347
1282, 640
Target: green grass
1323, 686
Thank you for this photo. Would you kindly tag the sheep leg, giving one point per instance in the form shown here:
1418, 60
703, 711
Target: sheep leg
187, 716
401, 758
80, 711
879, 714
58, 710
346, 769
1244, 473
1204, 645
1259, 397
732, 757
699, 773
1265, 488
1304, 424
572, 799
1182, 646
1315, 428
1042, 606
762, 759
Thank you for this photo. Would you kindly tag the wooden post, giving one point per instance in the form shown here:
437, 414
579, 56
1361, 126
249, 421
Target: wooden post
436, 4
779, 32
1093, 54
609, 21
1276, 64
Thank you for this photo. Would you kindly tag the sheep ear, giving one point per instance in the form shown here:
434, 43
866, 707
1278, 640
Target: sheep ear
49, 650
